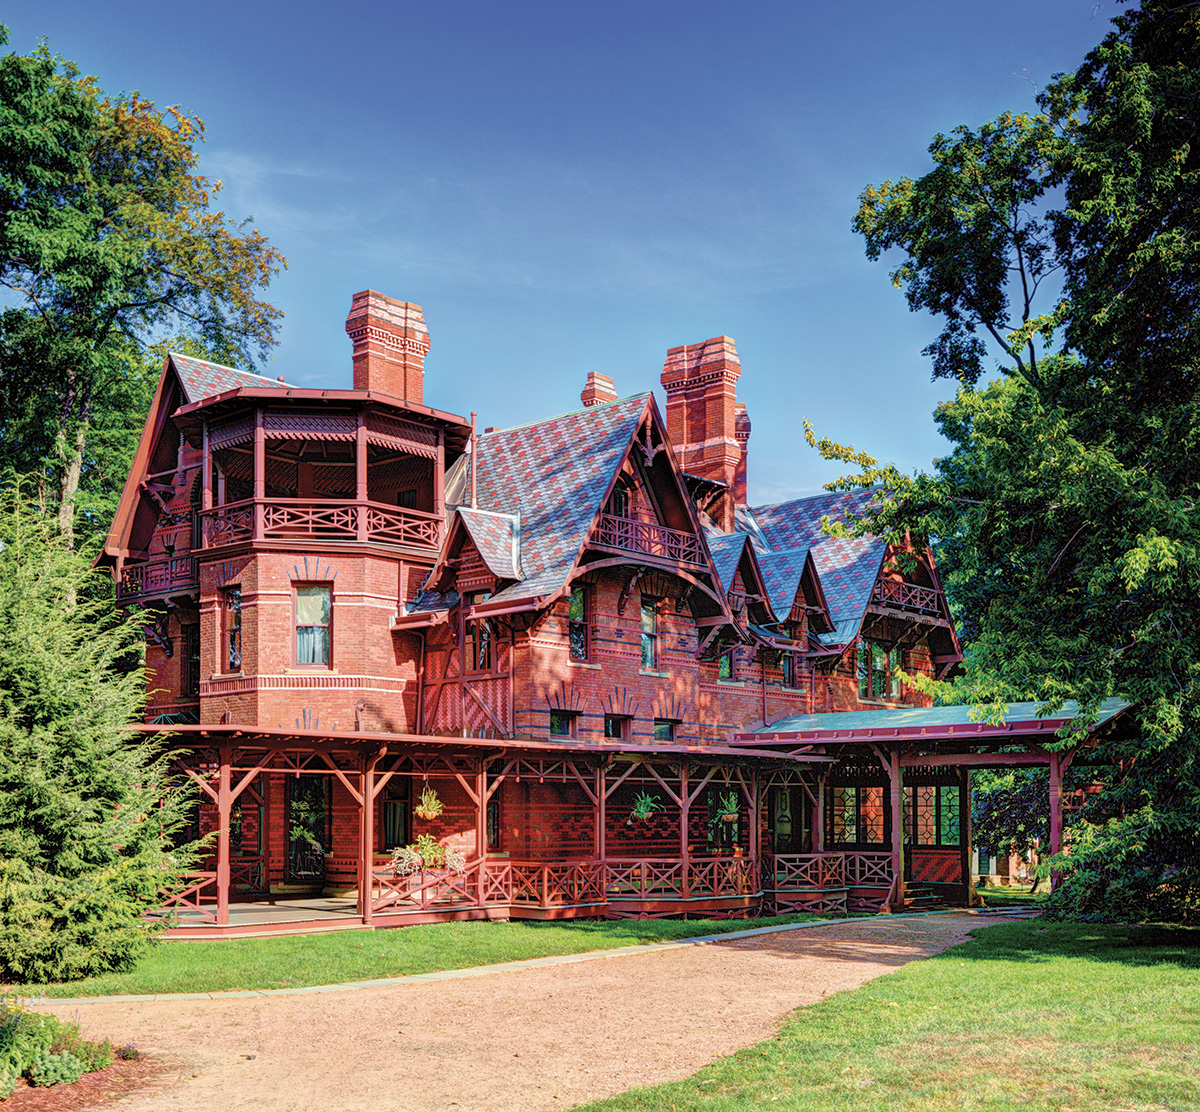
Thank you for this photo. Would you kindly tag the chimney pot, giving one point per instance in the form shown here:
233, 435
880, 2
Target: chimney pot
598, 390
390, 344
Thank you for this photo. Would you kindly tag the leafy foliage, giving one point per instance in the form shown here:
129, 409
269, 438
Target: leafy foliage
87, 811
1065, 517
46, 1049
108, 239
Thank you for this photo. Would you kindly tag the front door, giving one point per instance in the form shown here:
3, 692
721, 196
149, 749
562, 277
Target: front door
308, 822
789, 819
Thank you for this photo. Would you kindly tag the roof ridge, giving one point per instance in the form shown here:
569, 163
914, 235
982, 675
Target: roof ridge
568, 413
811, 497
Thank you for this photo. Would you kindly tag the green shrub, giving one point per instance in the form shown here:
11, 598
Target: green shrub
55, 1069
8, 1082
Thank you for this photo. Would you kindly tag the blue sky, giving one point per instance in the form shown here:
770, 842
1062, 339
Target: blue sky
569, 187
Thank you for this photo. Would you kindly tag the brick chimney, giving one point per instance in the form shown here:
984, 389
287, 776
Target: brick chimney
702, 415
741, 433
599, 389
390, 344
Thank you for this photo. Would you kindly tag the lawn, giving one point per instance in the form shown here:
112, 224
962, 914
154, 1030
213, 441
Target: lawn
1018, 895
1027, 1016
340, 956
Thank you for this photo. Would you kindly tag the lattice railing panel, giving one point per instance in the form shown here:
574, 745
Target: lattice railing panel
719, 876
189, 900
155, 577
329, 519
631, 535
869, 869
644, 877
805, 870
908, 596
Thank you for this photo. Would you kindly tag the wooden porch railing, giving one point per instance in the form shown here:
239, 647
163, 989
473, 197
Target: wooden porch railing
631, 535
907, 596
188, 900
165, 576
804, 870
326, 519
869, 870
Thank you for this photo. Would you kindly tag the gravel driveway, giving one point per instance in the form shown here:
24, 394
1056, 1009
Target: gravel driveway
540, 1038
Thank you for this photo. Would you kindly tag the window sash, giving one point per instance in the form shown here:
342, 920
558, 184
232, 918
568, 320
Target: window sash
649, 633
314, 613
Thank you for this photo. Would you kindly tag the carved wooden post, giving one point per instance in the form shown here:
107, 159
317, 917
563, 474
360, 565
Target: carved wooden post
224, 809
366, 851
360, 476
206, 483
818, 837
1055, 811
260, 475
964, 830
896, 775
684, 814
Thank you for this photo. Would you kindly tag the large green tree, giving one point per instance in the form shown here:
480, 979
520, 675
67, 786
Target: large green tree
108, 241
1065, 245
88, 813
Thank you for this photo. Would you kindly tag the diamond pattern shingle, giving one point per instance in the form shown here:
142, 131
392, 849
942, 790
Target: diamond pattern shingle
847, 568
202, 379
726, 552
497, 537
555, 474
782, 572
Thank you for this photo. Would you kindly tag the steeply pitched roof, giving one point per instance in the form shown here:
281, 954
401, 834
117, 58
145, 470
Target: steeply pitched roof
847, 567
555, 474
782, 572
497, 536
202, 379
726, 550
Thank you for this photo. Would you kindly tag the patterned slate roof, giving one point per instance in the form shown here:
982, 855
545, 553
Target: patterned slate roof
554, 473
202, 379
782, 572
726, 549
498, 538
847, 568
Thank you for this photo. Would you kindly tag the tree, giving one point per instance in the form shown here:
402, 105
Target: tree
1067, 242
109, 241
87, 809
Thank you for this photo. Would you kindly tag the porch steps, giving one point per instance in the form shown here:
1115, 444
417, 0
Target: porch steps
921, 897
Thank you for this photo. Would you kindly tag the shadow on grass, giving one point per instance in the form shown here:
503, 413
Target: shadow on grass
1035, 940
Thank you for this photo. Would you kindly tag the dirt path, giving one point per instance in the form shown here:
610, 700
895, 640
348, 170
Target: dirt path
539, 1038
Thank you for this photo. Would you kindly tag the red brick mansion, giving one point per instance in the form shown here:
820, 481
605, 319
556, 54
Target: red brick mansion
568, 650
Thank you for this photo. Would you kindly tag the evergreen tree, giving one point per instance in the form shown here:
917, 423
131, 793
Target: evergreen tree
87, 810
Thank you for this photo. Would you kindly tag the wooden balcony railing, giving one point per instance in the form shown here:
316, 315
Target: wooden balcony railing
632, 535
908, 596
171, 575
827, 870
323, 519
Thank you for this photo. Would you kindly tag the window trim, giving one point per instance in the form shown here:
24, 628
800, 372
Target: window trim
472, 627
649, 638
231, 603
624, 723
671, 726
571, 718
322, 666
585, 595
894, 688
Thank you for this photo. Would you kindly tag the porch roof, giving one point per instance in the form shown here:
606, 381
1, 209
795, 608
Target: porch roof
925, 723
364, 740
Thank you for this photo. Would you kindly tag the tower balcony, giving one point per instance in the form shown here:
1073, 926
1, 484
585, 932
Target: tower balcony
165, 577
321, 520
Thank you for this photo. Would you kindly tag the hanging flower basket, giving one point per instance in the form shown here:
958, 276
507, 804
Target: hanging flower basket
727, 807
644, 806
428, 806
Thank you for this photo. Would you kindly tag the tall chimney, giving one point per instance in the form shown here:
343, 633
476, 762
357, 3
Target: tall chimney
741, 433
390, 344
701, 385
599, 389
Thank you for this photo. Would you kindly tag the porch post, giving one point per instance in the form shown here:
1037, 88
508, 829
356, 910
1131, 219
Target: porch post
224, 807
755, 820
684, 813
366, 848
360, 476
896, 775
206, 472
1055, 811
819, 817
260, 474
598, 816
964, 829
481, 808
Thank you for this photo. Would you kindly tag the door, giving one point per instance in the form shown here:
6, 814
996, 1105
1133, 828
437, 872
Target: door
308, 825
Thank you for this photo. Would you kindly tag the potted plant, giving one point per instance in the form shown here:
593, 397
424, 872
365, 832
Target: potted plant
727, 807
425, 854
429, 806
644, 806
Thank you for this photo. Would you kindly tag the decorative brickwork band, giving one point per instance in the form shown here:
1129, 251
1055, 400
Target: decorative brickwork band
598, 390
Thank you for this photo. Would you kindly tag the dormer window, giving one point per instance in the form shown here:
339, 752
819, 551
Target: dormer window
618, 502
878, 671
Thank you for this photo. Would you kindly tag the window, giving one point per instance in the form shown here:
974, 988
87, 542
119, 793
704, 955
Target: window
562, 723
725, 665
578, 621
395, 812
191, 659
618, 502
313, 614
493, 822
231, 630
616, 727
787, 668
406, 499
855, 816
649, 632
478, 639
878, 670
664, 730
933, 817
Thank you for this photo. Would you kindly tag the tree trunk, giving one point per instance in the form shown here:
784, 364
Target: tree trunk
72, 458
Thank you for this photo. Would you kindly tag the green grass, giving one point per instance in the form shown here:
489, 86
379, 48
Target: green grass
323, 959
1026, 1017
1007, 897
